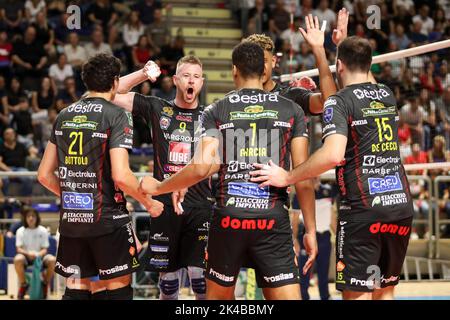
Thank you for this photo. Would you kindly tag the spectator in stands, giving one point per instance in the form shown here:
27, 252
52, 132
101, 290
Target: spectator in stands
13, 155
97, 45
68, 95
294, 36
417, 156
32, 242
279, 19
4, 112
376, 68
22, 123
413, 116
167, 91
102, 13
444, 206
43, 99
430, 81
5, 55
416, 34
158, 31
387, 78
76, 54
32, 8
305, 57
11, 13
423, 16
402, 16
408, 87
45, 34
146, 89
443, 107
438, 154
131, 32
46, 127
29, 58
323, 12
404, 136
170, 55
146, 9
11, 101
142, 53
61, 30
60, 71
258, 18
399, 37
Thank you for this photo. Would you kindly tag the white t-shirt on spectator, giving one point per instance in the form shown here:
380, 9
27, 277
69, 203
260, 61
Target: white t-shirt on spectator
427, 25
131, 36
32, 239
59, 75
297, 38
327, 15
34, 10
73, 54
102, 48
407, 4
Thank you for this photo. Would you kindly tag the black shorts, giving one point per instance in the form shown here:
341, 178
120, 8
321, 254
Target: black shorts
108, 256
263, 243
178, 241
370, 255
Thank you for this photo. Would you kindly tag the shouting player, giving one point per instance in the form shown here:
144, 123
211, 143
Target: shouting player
177, 239
360, 133
89, 147
250, 226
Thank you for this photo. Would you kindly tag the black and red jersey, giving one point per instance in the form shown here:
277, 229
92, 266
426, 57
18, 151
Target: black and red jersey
84, 133
253, 126
175, 133
371, 179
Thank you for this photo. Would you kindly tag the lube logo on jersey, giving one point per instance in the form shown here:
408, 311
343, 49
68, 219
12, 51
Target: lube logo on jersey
253, 113
78, 201
179, 152
247, 189
328, 115
385, 184
369, 161
79, 123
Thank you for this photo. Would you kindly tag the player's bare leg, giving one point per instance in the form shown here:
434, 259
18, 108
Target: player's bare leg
288, 292
384, 293
215, 291
354, 295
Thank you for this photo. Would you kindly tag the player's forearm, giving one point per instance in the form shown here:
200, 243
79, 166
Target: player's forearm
306, 199
321, 161
128, 82
50, 181
326, 80
186, 177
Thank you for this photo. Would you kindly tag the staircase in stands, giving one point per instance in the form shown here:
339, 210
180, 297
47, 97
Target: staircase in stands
210, 32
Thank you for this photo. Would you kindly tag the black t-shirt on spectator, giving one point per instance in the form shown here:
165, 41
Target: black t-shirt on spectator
14, 157
171, 54
146, 11
22, 122
31, 53
42, 34
12, 8
14, 97
101, 13
46, 102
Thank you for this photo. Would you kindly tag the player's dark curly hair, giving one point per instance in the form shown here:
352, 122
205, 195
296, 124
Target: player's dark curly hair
100, 71
248, 57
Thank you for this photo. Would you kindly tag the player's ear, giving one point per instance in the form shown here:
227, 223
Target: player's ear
339, 66
234, 71
274, 61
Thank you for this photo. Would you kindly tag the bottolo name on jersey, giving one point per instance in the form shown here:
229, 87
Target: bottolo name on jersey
253, 113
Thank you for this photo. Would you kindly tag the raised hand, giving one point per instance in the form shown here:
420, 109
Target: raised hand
152, 71
340, 33
313, 35
304, 82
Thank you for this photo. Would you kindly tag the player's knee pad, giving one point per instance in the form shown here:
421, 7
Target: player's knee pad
169, 285
198, 282
100, 295
125, 293
76, 294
